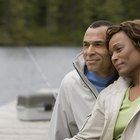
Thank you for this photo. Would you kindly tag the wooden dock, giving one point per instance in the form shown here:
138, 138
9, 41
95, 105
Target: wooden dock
11, 128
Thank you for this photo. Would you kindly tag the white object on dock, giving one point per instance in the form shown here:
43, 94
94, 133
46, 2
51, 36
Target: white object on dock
36, 106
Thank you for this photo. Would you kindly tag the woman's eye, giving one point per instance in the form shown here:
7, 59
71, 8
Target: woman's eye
119, 49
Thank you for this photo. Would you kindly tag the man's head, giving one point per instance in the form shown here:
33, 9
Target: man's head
95, 53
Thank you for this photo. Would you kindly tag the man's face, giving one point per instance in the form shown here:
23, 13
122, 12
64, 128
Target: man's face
95, 53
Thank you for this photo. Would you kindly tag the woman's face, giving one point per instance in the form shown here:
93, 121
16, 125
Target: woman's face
125, 56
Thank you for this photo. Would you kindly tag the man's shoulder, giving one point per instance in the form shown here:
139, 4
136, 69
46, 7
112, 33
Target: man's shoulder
70, 75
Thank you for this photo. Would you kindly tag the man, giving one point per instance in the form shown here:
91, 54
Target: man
80, 88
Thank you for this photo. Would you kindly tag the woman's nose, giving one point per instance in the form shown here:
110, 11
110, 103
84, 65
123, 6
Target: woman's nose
114, 57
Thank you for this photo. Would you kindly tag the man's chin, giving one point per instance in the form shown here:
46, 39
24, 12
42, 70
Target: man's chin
91, 68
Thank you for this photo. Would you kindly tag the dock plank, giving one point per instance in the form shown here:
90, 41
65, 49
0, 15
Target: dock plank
11, 128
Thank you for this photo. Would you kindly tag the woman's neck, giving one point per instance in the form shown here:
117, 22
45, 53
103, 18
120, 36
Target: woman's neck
135, 89
136, 78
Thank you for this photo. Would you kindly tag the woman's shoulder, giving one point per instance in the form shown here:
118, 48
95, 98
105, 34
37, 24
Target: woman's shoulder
120, 85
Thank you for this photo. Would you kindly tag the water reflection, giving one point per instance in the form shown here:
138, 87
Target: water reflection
24, 69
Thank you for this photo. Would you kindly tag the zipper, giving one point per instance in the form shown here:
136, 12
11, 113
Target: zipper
85, 82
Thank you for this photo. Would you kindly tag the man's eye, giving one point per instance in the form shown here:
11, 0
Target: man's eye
97, 44
100, 44
85, 45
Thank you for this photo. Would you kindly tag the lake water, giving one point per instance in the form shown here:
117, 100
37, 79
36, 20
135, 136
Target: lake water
27, 69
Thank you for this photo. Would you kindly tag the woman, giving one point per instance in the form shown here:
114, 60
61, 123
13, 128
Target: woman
116, 115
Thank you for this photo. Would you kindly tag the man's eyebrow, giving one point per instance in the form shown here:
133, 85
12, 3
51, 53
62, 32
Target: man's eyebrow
84, 41
99, 41
94, 41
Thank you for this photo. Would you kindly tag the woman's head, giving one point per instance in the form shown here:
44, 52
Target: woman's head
123, 42
131, 28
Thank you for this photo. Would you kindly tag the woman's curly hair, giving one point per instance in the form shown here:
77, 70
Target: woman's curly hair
131, 28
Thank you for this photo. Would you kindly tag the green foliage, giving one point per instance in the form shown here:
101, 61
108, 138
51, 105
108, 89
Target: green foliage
57, 22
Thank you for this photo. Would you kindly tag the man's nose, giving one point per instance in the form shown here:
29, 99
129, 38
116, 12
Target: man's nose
91, 49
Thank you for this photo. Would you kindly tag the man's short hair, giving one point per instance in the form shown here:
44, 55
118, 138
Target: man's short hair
100, 23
